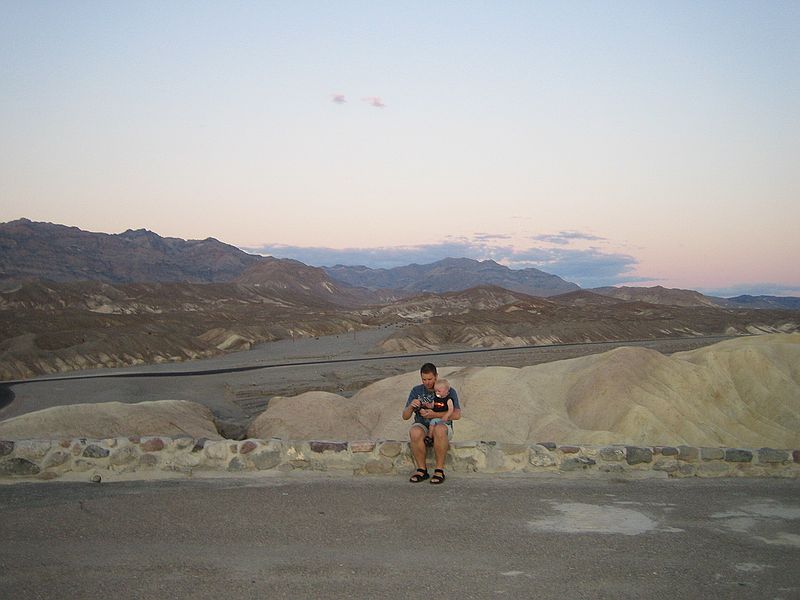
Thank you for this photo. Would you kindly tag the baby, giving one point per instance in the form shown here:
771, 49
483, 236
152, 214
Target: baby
443, 403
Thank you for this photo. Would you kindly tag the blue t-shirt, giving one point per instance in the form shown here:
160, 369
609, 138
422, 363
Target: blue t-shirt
426, 395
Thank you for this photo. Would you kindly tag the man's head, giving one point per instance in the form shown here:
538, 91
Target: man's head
428, 374
442, 388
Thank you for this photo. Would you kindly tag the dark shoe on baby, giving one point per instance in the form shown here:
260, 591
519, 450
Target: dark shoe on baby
428, 441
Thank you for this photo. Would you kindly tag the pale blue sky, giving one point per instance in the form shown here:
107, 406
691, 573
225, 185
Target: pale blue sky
666, 135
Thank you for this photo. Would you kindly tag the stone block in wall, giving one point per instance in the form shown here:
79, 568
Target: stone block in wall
183, 461
362, 446
612, 454
686, 469
576, 463
182, 442
569, 449
540, 456
712, 453
667, 465
237, 463
152, 444
391, 449
32, 450
217, 450
18, 467
56, 459
266, 459
123, 455
738, 455
95, 451
326, 446
467, 459
199, 445
6, 447
495, 461
548, 445
635, 455
666, 451
769, 455
796, 456
247, 446
688, 453
148, 461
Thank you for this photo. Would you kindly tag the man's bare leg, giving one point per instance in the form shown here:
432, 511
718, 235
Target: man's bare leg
440, 444
418, 450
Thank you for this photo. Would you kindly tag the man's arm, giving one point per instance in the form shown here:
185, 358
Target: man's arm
409, 409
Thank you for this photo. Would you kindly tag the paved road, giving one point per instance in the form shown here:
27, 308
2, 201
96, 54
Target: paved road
342, 537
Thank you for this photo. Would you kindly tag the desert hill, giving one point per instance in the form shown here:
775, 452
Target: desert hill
782, 302
657, 295
288, 278
58, 327
742, 392
113, 419
580, 317
453, 275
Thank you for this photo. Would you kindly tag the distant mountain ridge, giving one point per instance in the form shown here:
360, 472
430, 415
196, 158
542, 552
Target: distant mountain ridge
31, 250
453, 275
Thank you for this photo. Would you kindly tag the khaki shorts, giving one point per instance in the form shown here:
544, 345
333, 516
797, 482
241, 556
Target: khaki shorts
449, 429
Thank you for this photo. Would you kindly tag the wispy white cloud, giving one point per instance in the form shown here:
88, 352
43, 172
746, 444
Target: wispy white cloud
566, 237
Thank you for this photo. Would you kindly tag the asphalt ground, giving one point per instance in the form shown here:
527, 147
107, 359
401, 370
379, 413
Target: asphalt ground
306, 536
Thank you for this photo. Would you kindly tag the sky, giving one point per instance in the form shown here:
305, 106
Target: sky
610, 143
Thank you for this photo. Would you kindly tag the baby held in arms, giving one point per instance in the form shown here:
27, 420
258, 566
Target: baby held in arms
443, 404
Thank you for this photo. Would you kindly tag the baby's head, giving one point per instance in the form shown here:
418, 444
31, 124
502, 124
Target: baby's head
442, 388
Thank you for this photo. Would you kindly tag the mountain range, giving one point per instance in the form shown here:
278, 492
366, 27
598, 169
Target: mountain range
453, 275
73, 300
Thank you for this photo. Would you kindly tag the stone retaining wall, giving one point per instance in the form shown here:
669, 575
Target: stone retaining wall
185, 456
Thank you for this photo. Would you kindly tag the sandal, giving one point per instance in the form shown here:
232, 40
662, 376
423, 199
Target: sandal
420, 475
438, 476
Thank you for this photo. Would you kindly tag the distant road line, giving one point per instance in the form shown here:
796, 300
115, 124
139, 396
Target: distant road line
330, 361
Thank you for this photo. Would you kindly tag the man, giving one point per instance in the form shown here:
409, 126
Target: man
419, 403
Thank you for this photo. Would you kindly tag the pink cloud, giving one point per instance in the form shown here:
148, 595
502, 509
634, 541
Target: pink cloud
338, 98
374, 101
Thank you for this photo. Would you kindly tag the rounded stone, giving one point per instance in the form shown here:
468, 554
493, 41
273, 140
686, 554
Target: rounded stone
391, 449
19, 467
769, 455
247, 447
95, 451
738, 455
635, 455
612, 454
6, 447
152, 445
95, 478
55, 459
